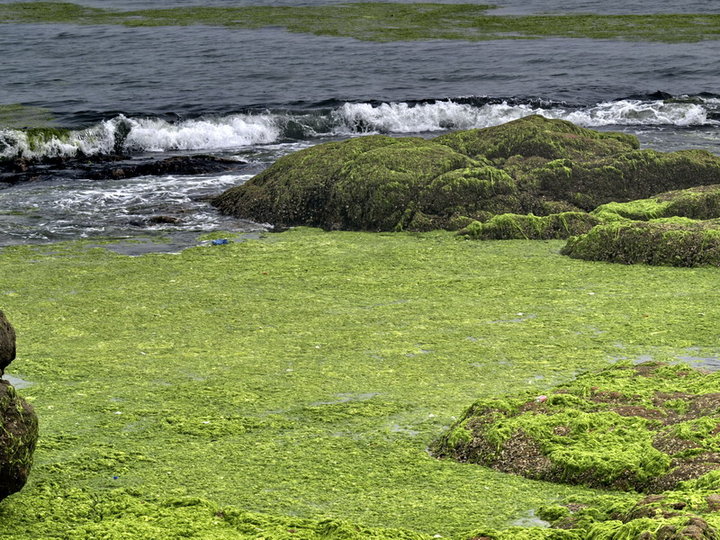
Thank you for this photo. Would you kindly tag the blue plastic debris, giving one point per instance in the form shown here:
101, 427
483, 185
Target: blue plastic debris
220, 242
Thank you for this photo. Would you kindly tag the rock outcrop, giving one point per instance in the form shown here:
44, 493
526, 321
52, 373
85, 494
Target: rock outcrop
529, 166
18, 423
649, 428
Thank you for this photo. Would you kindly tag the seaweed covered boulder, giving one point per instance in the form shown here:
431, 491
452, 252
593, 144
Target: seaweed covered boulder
372, 183
18, 435
637, 174
646, 427
537, 136
662, 242
701, 202
531, 227
18, 422
531, 165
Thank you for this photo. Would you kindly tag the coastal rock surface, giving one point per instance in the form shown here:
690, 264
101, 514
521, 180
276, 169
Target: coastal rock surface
645, 427
528, 166
18, 423
110, 167
650, 427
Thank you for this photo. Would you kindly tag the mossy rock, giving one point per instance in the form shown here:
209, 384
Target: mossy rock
645, 427
702, 203
7, 343
529, 166
373, 183
662, 242
624, 177
18, 436
541, 137
531, 227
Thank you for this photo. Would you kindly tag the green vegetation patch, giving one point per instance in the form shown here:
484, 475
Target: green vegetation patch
532, 165
387, 21
24, 117
700, 203
303, 375
530, 227
667, 242
645, 427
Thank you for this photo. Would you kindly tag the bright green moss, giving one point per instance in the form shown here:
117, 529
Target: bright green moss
612, 430
324, 364
669, 241
387, 21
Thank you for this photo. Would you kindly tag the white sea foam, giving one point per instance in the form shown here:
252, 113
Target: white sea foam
156, 135
147, 135
231, 132
636, 112
444, 115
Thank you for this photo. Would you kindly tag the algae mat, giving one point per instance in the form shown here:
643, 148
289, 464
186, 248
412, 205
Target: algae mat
303, 376
376, 21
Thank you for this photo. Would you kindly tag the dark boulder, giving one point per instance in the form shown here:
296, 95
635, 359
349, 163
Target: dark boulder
111, 167
18, 423
7, 343
18, 436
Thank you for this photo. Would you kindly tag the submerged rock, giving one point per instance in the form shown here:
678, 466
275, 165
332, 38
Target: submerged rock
531, 165
7, 343
110, 167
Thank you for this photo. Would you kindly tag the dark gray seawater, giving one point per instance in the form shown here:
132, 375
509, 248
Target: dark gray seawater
259, 94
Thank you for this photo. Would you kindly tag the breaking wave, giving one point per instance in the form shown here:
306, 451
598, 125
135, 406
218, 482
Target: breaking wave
237, 131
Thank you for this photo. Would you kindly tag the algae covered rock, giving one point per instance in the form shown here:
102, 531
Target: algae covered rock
701, 203
664, 242
646, 427
18, 435
531, 227
7, 343
18, 423
540, 137
370, 183
531, 165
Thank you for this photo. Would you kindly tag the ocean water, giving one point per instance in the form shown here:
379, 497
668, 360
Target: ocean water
256, 95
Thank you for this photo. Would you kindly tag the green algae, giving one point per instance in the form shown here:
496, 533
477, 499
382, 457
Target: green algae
664, 242
18, 116
324, 364
387, 21
530, 227
612, 429
534, 165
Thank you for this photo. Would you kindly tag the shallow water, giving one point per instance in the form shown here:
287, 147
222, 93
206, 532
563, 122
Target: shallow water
259, 94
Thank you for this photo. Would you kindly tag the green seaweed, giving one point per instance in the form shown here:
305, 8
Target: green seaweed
271, 385
665, 242
376, 21
530, 227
